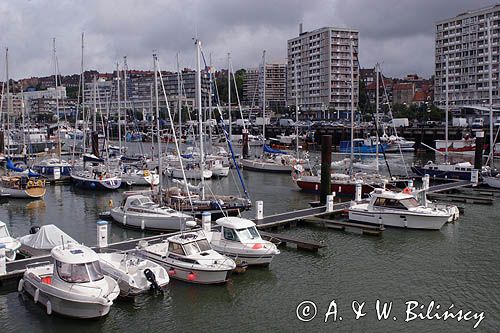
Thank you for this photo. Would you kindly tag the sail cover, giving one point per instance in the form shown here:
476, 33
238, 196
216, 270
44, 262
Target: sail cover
270, 150
46, 238
10, 165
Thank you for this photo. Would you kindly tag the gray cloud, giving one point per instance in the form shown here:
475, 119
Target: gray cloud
397, 33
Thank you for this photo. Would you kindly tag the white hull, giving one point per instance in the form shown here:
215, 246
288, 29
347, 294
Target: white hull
492, 181
147, 221
190, 174
245, 258
258, 165
220, 172
398, 219
66, 307
140, 180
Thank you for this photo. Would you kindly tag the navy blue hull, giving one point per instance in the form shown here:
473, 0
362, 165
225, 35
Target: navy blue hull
96, 185
461, 175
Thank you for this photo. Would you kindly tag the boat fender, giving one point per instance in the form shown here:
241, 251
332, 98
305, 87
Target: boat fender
37, 295
110, 203
151, 277
407, 190
191, 276
20, 286
171, 272
49, 308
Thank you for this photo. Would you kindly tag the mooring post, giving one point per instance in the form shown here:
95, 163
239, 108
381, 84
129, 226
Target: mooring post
3, 266
329, 202
426, 181
357, 196
259, 214
206, 221
474, 177
410, 185
326, 161
102, 234
245, 143
478, 157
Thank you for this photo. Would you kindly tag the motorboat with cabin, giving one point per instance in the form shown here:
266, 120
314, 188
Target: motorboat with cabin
239, 239
72, 285
11, 244
54, 169
135, 275
460, 171
139, 211
398, 209
189, 257
41, 240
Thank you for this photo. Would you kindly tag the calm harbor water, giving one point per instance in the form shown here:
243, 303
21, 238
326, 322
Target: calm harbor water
458, 265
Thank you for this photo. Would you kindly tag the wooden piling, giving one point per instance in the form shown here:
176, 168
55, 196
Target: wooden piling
326, 161
478, 157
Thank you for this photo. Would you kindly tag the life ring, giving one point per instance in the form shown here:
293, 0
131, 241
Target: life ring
407, 190
296, 174
31, 183
39, 183
146, 173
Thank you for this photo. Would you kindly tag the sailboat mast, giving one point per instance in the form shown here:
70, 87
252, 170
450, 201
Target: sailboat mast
352, 109
490, 83
377, 71
118, 77
9, 102
446, 113
296, 111
84, 117
210, 99
57, 101
264, 96
157, 107
229, 94
200, 116
179, 94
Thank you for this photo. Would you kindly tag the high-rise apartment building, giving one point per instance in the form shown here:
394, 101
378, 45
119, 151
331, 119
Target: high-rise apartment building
320, 61
275, 86
463, 41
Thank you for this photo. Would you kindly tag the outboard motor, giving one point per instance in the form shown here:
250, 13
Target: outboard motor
34, 229
151, 277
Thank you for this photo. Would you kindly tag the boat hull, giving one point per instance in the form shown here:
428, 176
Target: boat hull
398, 219
260, 166
151, 222
108, 184
70, 308
492, 181
32, 193
442, 174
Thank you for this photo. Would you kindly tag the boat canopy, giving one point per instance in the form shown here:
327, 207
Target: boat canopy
92, 158
48, 237
234, 222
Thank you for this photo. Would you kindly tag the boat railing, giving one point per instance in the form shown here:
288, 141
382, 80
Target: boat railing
37, 264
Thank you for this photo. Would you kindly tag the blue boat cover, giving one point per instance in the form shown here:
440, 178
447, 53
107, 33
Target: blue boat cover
10, 166
270, 150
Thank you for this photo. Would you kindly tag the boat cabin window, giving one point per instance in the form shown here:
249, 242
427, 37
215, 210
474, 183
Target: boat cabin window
410, 203
145, 201
79, 273
248, 233
197, 247
389, 203
230, 234
4, 232
175, 248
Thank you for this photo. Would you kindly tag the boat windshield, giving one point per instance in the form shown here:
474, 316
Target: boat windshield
410, 203
196, 247
247, 234
4, 232
79, 273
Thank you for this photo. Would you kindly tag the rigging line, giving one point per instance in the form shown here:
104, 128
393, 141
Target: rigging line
173, 133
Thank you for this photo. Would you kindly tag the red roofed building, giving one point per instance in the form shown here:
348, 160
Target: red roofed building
403, 93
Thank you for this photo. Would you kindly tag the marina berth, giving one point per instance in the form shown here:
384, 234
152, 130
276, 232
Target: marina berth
41, 240
190, 258
396, 209
73, 284
239, 239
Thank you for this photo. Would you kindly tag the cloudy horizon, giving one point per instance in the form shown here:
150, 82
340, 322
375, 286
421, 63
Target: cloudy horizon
398, 34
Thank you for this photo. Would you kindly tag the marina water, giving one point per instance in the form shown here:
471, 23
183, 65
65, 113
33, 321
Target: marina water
458, 265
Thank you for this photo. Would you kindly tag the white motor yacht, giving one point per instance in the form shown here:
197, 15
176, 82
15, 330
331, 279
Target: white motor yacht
73, 285
189, 257
139, 211
11, 244
134, 275
140, 177
239, 239
396, 209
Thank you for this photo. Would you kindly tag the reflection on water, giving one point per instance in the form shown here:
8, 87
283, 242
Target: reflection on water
458, 264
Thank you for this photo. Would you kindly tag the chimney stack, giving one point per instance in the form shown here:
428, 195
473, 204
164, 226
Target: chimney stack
300, 29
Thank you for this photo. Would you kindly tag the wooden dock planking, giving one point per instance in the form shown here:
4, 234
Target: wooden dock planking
302, 244
346, 226
462, 198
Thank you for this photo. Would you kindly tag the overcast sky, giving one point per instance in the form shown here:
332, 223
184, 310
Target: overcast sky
397, 33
